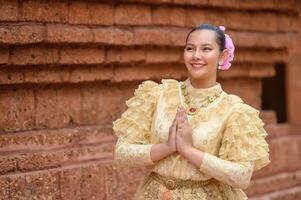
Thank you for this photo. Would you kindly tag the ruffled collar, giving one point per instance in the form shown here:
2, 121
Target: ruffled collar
201, 93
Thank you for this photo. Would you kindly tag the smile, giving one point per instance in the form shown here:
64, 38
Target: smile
197, 65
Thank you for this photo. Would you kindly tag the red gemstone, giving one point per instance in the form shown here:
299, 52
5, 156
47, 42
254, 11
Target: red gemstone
192, 109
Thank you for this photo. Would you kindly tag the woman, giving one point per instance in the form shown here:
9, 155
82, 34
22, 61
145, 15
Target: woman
201, 142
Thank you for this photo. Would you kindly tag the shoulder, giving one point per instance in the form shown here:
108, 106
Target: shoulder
237, 105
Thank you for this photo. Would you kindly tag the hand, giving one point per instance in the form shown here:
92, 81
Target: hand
172, 135
184, 132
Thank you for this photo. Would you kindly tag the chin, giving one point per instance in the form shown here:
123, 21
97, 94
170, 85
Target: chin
197, 73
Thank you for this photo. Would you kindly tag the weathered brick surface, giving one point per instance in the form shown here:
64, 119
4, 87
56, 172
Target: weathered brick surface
8, 10
43, 11
132, 15
19, 34
91, 13
67, 68
34, 55
68, 34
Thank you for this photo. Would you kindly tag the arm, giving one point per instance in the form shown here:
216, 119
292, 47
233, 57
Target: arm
133, 129
237, 175
231, 168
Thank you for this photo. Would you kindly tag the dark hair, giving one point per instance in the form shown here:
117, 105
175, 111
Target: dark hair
220, 36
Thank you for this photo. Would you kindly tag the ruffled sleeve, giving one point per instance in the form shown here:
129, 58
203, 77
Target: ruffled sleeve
243, 148
133, 128
244, 138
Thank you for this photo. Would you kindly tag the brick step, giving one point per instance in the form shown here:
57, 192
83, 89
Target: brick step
241, 5
56, 158
274, 183
94, 180
268, 117
278, 130
283, 150
288, 194
94, 73
140, 36
51, 139
92, 54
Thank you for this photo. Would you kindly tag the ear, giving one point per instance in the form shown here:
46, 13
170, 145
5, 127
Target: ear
223, 56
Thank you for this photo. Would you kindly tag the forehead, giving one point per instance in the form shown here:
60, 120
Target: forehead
199, 37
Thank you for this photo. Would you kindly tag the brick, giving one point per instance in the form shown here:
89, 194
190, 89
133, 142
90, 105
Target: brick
91, 13
248, 70
7, 165
42, 185
133, 15
169, 16
46, 107
154, 36
277, 130
18, 187
37, 140
116, 176
34, 55
44, 11
242, 87
254, 5
116, 36
57, 158
195, 17
91, 74
142, 72
70, 183
274, 183
8, 10
76, 55
46, 75
125, 55
22, 34
95, 109
164, 55
68, 34
288, 153
93, 183
4, 188
260, 40
4, 55
260, 56
268, 116
17, 108
69, 106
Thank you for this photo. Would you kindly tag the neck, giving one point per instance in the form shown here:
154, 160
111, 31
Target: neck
202, 83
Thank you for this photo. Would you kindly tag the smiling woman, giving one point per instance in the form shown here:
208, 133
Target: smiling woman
201, 142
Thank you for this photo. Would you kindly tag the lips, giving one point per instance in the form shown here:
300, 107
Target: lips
197, 65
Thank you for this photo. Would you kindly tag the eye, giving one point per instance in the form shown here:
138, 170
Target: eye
207, 49
189, 48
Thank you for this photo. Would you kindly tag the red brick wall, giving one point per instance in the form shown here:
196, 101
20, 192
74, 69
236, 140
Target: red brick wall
66, 68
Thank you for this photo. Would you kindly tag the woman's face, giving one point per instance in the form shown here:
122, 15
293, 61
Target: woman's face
202, 55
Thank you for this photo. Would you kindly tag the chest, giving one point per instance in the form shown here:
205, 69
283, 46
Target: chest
208, 126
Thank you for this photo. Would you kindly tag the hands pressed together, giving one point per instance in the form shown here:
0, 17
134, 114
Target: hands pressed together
180, 133
179, 140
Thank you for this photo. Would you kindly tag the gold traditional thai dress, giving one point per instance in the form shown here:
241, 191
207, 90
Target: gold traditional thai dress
228, 131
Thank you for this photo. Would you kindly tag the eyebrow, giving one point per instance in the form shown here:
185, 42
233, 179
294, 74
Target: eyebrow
206, 44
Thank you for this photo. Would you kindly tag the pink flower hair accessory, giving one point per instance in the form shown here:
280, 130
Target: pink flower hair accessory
230, 47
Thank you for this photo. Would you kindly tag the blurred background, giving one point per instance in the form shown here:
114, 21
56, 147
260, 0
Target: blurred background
67, 67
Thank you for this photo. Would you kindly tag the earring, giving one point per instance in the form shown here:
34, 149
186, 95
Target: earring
219, 66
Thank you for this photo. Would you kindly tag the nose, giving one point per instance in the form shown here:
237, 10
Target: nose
197, 54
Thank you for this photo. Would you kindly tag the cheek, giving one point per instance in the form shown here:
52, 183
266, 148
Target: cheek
187, 57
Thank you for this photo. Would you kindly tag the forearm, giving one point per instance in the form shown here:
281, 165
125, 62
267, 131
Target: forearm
133, 154
234, 174
159, 151
193, 155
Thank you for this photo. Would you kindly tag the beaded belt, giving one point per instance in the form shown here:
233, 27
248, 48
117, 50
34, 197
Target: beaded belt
173, 183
